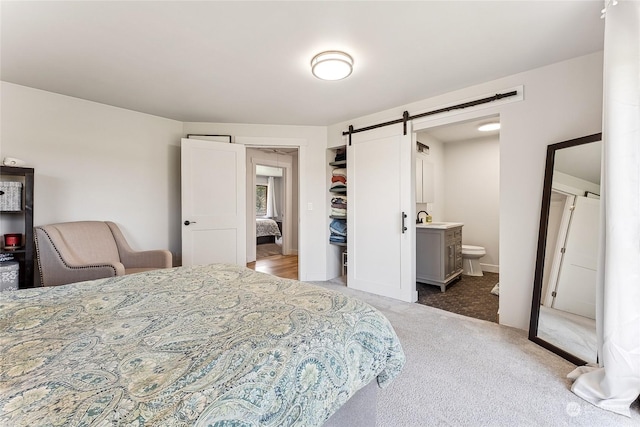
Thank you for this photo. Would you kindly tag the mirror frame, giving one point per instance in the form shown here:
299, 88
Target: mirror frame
542, 244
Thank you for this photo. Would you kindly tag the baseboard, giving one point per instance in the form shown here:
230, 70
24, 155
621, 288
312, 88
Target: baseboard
490, 268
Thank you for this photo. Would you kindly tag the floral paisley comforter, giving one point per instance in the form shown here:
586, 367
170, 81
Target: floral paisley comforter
267, 227
215, 345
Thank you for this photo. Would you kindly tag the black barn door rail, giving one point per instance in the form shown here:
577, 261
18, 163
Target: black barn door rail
406, 117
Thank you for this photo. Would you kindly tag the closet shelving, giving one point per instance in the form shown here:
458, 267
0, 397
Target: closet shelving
338, 192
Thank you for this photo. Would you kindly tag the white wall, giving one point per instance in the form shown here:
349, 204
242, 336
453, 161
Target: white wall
472, 193
93, 161
312, 140
561, 101
97, 162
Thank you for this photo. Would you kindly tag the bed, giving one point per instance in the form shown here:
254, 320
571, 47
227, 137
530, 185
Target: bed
217, 345
266, 231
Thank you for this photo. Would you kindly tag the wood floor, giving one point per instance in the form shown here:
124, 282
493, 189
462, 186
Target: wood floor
285, 266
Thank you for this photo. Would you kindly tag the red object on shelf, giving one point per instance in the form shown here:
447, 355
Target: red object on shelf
12, 240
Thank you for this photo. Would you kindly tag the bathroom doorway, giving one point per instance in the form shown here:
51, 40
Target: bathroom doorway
465, 164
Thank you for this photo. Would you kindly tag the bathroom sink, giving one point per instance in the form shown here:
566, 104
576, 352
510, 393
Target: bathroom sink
440, 225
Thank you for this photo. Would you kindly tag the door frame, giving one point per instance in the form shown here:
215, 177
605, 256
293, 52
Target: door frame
556, 263
491, 111
301, 144
287, 223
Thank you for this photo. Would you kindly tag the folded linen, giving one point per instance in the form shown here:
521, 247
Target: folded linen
338, 212
340, 178
339, 172
338, 227
337, 239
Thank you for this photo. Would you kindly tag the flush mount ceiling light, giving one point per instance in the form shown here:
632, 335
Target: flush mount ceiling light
332, 65
487, 127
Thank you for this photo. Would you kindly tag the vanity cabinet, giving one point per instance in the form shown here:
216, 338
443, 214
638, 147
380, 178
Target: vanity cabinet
438, 255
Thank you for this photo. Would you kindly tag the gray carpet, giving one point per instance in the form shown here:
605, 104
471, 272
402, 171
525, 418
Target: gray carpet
468, 372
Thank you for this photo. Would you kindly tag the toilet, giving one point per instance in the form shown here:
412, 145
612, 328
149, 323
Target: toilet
471, 260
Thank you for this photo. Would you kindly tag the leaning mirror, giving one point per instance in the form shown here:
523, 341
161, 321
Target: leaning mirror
564, 291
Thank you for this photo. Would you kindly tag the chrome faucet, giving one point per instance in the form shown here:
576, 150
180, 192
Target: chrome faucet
418, 219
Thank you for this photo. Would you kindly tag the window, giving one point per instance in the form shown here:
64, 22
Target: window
261, 200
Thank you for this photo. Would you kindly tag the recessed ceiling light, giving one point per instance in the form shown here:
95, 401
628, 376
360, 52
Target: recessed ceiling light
332, 65
487, 127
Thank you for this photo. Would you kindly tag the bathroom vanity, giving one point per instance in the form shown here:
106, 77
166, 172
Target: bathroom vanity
438, 253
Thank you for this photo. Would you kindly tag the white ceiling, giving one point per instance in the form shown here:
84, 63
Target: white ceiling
462, 131
248, 62
582, 161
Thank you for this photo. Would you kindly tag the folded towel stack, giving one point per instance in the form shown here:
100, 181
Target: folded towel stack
338, 228
339, 206
339, 179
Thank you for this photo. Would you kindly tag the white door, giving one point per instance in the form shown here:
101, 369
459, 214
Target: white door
380, 180
213, 203
576, 289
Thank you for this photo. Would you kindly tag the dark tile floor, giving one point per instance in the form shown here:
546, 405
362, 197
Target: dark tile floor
470, 296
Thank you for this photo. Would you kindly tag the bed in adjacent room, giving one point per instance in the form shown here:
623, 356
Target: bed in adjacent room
267, 230
208, 345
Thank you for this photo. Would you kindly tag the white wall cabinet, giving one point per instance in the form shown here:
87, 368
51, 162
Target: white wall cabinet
438, 255
424, 179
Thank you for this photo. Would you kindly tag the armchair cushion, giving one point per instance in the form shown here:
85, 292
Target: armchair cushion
86, 250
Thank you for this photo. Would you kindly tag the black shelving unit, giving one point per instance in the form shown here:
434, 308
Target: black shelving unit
25, 253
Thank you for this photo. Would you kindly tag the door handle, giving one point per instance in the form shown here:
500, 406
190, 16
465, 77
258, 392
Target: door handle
187, 222
404, 228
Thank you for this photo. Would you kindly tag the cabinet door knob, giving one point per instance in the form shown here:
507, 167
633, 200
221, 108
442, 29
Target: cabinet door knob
187, 222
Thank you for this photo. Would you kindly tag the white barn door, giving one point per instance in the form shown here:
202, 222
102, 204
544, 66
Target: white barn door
380, 181
576, 288
213, 202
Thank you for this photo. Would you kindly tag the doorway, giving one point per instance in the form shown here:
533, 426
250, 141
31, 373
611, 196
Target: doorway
272, 210
465, 189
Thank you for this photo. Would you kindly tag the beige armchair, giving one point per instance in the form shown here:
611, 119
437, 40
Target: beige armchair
76, 251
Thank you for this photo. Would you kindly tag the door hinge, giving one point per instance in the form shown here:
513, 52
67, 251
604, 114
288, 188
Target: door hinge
563, 250
553, 294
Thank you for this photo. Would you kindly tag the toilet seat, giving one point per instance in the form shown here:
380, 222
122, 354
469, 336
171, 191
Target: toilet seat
473, 250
